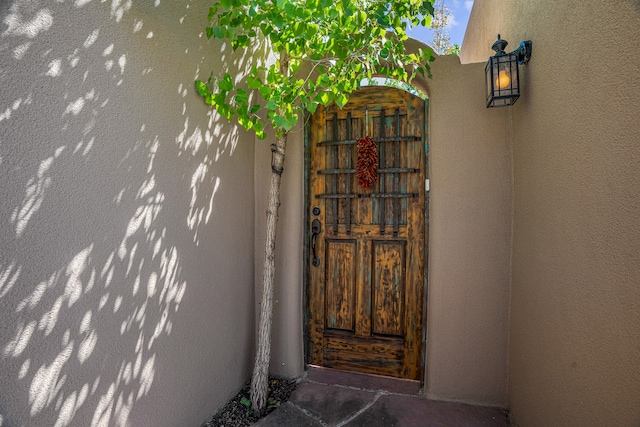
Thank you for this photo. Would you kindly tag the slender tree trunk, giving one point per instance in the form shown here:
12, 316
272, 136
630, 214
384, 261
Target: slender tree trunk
259, 380
260, 377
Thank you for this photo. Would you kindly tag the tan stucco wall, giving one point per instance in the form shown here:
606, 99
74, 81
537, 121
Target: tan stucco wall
575, 308
126, 218
469, 239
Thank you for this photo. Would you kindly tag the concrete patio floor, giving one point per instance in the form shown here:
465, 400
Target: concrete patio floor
327, 397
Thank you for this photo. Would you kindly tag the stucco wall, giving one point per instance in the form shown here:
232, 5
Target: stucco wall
575, 306
126, 221
469, 238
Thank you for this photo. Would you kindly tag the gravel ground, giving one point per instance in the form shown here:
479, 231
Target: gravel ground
238, 413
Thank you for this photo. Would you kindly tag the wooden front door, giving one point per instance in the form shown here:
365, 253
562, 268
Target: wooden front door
366, 280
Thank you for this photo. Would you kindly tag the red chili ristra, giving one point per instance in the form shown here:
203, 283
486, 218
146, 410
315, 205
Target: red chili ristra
367, 162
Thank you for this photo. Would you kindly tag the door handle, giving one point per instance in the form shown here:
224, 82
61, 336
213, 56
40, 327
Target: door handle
315, 230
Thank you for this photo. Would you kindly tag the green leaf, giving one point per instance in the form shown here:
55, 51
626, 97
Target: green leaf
245, 122
265, 91
226, 83
312, 107
224, 110
271, 105
243, 111
323, 81
285, 122
219, 99
324, 98
341, 100
278, 121
291, 122
219, 32
242, 96
253, 83
246, 402
212, 12
266, 28
202, 88
209, 31
311, 30
243, 40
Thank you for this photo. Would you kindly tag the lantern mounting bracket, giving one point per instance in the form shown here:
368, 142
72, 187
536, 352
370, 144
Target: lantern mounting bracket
523, 52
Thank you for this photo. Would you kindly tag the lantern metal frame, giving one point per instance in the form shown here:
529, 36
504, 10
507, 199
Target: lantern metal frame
502, 74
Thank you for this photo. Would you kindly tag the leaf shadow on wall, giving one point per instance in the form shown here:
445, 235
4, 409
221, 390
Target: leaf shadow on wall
111, 171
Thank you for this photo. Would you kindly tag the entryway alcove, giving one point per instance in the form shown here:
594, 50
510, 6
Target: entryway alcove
366, 265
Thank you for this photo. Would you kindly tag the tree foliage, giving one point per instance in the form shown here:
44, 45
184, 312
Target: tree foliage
453, 49
342, 42
441, 42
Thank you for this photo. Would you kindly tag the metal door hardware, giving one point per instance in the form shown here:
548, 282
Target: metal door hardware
315, 230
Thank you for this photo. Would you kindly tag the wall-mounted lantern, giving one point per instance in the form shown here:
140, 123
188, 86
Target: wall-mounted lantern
501, 73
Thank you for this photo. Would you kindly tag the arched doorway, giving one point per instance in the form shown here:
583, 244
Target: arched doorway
366, 262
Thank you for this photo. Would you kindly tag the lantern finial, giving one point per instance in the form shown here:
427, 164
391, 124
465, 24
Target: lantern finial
499, 46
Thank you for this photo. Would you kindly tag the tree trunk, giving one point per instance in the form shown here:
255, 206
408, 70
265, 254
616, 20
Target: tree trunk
259, 380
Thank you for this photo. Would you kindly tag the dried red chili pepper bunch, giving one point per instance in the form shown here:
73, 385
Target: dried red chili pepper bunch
367, 162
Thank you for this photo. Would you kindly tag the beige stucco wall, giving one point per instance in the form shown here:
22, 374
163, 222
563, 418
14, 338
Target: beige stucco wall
575, 308
469, 239
126, 218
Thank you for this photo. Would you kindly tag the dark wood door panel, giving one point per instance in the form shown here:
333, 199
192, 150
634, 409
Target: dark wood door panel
388, 288
340, 284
